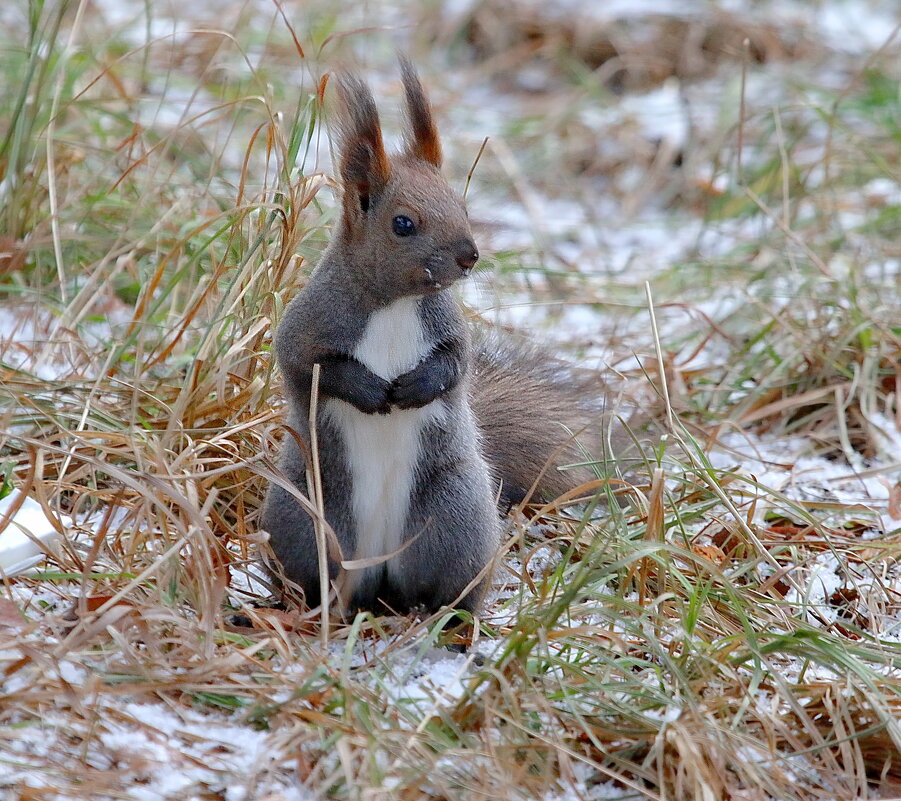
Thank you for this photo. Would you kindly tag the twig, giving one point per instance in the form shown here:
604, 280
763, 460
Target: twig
314, 485
472, 169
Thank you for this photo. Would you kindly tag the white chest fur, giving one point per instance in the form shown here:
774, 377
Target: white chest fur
383, 449
393, 341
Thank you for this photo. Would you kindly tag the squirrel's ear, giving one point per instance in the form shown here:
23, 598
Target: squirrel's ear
422, 140
364, 165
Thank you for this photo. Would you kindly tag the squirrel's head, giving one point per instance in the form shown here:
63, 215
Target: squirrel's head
407, 229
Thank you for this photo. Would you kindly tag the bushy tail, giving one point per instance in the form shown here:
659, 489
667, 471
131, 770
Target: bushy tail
538, 415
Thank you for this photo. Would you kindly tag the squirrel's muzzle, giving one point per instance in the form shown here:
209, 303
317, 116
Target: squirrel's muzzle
467, 254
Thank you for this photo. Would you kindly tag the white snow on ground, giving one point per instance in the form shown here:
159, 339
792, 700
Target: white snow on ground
781, 466
160, 753
785, 465
165, 752
660, 114
857, 27
27, 537
18, 341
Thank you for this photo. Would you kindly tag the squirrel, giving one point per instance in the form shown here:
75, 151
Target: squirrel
420, 429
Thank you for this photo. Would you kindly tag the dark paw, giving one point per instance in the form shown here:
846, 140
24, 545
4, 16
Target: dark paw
376, 398
415, 389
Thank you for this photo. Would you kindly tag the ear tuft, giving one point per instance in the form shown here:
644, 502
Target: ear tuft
364, 165
422, 139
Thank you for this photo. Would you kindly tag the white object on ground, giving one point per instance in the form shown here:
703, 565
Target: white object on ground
18, 550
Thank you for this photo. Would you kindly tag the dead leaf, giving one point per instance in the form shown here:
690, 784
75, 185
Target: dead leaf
731, 542
11, 616
843, 597
710, 552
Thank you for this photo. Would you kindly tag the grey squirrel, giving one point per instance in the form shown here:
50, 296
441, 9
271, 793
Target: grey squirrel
420, 430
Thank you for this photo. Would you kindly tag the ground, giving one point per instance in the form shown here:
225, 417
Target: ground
699, 200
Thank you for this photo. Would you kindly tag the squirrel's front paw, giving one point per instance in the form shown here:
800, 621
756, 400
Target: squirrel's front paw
416, 388
375, 397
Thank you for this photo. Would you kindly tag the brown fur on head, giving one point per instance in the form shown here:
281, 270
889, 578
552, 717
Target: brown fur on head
405, 230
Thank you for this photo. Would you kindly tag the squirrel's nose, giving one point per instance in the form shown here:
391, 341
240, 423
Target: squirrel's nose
466, 254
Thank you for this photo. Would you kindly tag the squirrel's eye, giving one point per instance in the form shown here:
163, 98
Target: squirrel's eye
403, 226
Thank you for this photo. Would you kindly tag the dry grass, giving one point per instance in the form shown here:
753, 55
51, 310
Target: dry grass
161, 204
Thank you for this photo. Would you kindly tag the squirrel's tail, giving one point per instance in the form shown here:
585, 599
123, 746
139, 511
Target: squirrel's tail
542, 421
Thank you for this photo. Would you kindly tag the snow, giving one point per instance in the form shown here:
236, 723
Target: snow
660, 114
27, 537
163, 751
857, 27
18, 338
886, 433
168, 756
436, 679
784, 465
